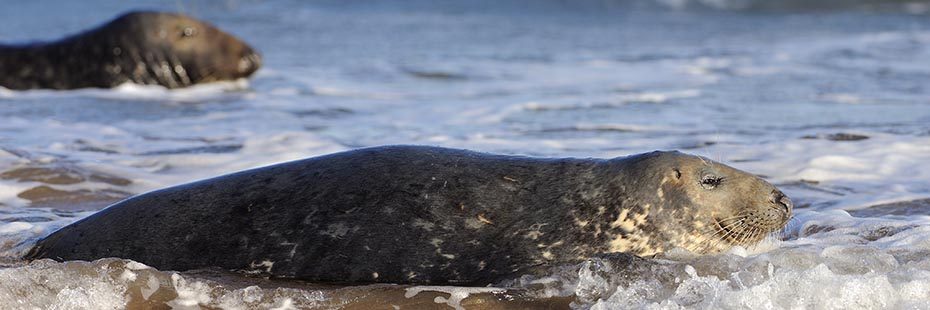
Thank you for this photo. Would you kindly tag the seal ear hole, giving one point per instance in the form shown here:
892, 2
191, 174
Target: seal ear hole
677, 173
189, 32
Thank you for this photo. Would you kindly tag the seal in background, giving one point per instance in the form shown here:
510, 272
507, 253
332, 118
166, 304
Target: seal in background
165, 49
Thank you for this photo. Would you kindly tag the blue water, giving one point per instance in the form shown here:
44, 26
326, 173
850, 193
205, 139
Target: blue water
760, 85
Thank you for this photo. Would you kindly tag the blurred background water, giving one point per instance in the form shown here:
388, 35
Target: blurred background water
828, 99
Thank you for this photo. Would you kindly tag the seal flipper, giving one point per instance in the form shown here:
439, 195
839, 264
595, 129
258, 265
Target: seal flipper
39, 251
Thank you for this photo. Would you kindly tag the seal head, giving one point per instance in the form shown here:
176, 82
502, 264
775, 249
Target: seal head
188, 51
695, 203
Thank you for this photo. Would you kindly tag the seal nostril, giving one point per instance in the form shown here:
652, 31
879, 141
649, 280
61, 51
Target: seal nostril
250, 63
779, 198
256, 60
787, 203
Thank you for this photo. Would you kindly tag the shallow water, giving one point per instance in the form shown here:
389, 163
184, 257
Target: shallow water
826, 99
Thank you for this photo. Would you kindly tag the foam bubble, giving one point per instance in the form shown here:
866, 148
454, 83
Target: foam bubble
456, 294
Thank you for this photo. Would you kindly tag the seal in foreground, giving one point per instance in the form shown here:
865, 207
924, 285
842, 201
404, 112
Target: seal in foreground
415, 214
165, 49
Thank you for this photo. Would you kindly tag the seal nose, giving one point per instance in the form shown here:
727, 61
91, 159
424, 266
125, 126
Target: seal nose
250, 63
779, 198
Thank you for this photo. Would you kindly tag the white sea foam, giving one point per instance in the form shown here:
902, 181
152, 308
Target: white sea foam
115, 284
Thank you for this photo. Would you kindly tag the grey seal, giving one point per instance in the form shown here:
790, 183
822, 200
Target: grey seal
167, 49
418, 214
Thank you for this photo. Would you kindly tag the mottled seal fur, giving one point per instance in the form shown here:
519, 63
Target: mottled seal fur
165, 49
416, 214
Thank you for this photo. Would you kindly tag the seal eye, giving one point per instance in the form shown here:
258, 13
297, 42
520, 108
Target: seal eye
189, 32
677, 174
710, 181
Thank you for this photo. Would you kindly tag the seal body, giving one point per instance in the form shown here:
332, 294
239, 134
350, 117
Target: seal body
165, 49
415, 214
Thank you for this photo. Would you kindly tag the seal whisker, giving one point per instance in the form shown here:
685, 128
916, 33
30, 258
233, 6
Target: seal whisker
715, 236
731, 233
722, 231
746, 241
733, 218
750, 237
764, 237
771, 236
741, 240
758, 233
741, 234
746, 234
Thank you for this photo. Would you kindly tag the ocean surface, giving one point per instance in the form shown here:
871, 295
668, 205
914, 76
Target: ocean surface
827, 99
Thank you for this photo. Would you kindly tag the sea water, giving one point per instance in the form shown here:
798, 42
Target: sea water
829, 100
